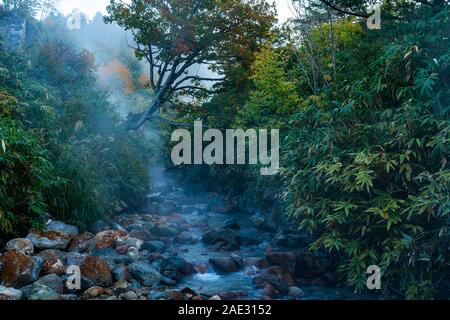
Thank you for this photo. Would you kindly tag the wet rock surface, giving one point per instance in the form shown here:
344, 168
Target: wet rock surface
184, 244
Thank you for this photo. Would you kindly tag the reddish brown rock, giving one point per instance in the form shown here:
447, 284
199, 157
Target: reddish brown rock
53, 265
81, 243
96, 272
141, 235
107, 239
18, 269
22, 245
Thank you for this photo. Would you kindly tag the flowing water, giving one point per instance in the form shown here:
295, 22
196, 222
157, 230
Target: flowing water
194, 202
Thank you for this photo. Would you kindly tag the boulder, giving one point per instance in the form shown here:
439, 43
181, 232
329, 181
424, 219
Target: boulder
108, 238
53, 266
163, 230
74, 258
99, 226
276, 276
19, 269
224, 264
10, 293
227, 238
53, 261
295, 292
93, 292
168, 208
49, 239
145, 273
185, 238
61, 227
122, 274
42, 292
287, 260
231, 224
81, 243
96, 272
53, 282
129, 242
22, 245
154, 246
175, 268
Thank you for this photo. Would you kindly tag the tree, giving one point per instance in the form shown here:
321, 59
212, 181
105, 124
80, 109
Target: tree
31, 8
179, 38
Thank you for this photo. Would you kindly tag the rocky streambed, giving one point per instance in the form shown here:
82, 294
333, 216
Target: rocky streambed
186, 243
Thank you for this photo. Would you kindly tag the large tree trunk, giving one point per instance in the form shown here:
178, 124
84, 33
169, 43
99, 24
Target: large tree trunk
135, 121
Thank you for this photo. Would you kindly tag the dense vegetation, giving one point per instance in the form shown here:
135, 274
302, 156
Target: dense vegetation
63, 150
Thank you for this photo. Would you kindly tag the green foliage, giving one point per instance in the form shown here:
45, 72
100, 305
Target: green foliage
366, 170
92, 167
24, 173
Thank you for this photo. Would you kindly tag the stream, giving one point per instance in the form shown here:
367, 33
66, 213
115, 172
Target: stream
197, 217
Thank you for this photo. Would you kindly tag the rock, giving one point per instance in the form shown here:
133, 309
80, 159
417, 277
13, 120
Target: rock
74, 258
263, 221
53, 261
154, 246
10, 293
108, 238
295, 292
175, 268
53, 265
163, 230
315, 263
61, 227
216, 297
233, 295
287, 260
49, 239
96, 272
330, 278
22, 245
81, 243
276, 276
19, 269
68, 297
42, 292
129, 242
93, 292
53, 282
130, 295
201, 267
185, 238
141, 235
122, 273
227, 238
238, 260
99, 226
224, 264
168, 208
231, 224
270, 291
145, 273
